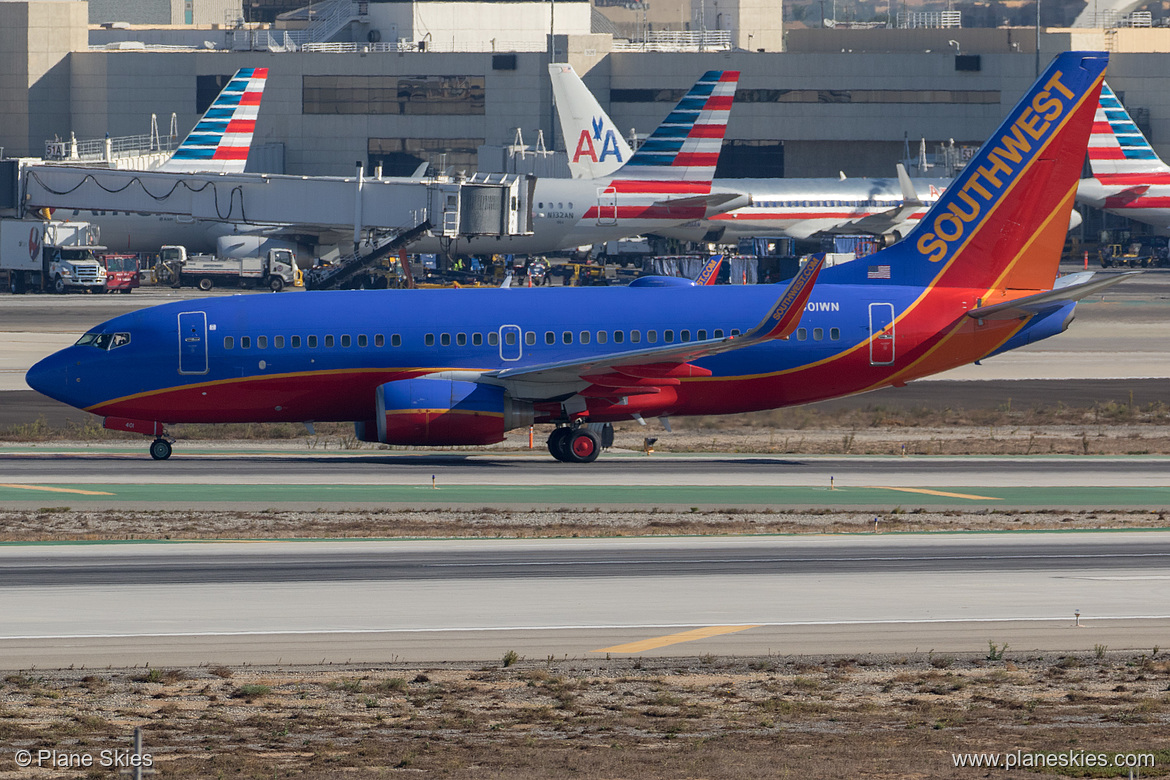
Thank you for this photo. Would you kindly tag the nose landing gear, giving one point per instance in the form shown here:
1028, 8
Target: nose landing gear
160, 449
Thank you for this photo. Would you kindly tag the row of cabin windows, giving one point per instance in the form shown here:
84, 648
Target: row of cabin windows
581, 337
311, 342
818, 334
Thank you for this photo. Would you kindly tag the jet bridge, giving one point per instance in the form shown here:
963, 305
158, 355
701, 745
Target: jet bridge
483, 205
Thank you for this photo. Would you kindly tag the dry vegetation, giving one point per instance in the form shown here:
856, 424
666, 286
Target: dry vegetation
600, 718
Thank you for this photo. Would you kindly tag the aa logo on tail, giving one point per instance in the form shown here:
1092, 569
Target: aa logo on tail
609, 146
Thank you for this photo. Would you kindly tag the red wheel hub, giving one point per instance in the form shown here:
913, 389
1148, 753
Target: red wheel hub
582, 446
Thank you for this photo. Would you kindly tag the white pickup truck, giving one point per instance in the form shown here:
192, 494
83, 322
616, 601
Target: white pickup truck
274, 269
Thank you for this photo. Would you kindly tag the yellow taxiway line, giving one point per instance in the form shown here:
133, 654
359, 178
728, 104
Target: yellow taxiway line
674, 639
927, 492
57, 490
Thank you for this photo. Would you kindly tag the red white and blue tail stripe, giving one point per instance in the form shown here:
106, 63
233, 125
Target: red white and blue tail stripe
685, 147
220, 141
1118, 152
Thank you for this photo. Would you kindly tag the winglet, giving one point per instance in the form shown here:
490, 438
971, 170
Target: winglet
710, 271
909, 194
782, 320
220, 140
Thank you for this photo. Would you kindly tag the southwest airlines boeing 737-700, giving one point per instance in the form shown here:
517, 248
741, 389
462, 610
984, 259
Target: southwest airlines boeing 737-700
461, 367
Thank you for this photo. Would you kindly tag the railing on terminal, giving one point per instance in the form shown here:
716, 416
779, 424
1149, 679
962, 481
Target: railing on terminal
678, 40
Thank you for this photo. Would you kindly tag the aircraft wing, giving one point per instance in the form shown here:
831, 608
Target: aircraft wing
1077, 287
888, 221
641, 371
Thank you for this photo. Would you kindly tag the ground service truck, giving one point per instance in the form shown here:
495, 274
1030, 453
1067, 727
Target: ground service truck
50, 256
274, 269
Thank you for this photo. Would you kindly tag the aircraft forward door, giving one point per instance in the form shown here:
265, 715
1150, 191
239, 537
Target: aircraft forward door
510, 346
193, 342
881, 334
607, 206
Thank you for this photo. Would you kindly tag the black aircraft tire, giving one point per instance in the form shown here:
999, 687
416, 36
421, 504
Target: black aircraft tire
160, 449
584, 446
558, 444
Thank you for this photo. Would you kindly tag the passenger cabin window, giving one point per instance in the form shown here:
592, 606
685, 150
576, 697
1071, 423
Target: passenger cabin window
602, 337
228, 342
461, 339
635, 336
702, 335
684, 335
328, 341
718, 333
510, 338
477, 339
312, 342
245, 342
818, 334
493, 339
550, 337
345, 340
735, 332
379, 340
584, 337
278, 342
430, 339
651, 337
567, 337
362, 340
618, 337
445, 339
261, 342
801, 334
395, 340
668, 336
835, 334
530, 338
296, 342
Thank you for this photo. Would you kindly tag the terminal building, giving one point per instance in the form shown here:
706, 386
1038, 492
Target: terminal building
446, 82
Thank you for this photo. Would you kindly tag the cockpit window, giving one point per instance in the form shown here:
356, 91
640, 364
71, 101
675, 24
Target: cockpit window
104, 341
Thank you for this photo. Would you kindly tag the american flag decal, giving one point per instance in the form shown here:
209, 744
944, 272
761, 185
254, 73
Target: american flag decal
878, 272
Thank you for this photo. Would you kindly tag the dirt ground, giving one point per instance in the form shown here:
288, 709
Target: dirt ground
771, 717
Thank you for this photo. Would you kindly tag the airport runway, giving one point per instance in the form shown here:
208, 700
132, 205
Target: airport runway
181, 604
97, 477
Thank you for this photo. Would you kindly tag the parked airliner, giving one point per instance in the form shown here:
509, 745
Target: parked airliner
800, 208
665, 183
462, 367
1129, 179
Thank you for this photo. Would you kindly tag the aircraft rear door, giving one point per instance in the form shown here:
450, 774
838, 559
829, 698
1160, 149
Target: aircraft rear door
193, 342
607, 206
881, 334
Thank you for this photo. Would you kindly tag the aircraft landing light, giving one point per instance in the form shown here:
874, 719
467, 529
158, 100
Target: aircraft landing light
673, 639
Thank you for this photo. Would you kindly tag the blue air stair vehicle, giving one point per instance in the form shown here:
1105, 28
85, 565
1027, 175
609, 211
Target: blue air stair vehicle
666, 183
1129, 179
976, 277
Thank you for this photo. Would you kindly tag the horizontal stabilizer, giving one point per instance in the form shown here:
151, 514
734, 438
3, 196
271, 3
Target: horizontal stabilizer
1053, 299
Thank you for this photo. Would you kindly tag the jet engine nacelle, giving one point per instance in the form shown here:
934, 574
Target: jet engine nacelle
443, 412
886, 240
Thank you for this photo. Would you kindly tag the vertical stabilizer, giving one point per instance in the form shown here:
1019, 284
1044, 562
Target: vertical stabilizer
1118, 152
594, 144
220, 140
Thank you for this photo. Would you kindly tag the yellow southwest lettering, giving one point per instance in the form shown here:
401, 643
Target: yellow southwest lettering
1047, 105
996, 165
966, 217
936, 248
975, 185
1014, 145
1030, 121
948, 218
1055, 82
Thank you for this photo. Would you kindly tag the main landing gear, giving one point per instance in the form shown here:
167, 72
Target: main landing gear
578, 444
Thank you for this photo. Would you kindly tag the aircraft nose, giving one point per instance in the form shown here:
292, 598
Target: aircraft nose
50, 377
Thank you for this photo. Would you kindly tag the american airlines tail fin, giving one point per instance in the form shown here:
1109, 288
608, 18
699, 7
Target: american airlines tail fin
1118, 152
595, 146
220, 140
1002, 222
685, 147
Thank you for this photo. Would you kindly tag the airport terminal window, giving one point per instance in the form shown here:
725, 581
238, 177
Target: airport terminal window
328, 341
584, 337
295, 341
445, 339
278, 342
602, 337
801, 334
567, 337
477, 339
618, 337
345, 340
835, 334
245, 342
818, 334
493, 339
228, 342
461, 339
926, 96
668, 336
362, 340
401, 156
530, 338
392, 94
261, 342
429, 339
550, 337
684, 335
